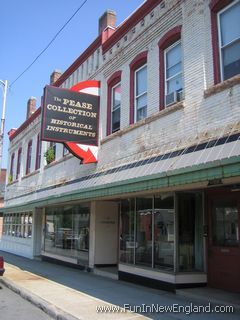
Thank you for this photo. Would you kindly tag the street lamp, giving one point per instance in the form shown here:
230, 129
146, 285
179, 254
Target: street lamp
5, 86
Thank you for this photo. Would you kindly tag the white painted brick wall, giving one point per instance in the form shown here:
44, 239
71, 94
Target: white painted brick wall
183, 126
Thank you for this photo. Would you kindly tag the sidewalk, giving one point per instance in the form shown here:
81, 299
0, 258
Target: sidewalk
67, 294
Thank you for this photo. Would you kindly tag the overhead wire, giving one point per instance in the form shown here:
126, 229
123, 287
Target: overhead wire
49, 44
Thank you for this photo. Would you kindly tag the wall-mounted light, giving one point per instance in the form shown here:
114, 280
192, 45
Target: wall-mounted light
214, 182
235, 188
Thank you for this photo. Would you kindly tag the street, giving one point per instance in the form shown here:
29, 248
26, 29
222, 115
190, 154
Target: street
13, 306
88, 296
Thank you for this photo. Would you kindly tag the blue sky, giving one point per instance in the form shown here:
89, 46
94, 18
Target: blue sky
27, 26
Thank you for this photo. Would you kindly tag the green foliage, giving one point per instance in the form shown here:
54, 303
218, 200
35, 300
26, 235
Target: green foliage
50, 155
10, 178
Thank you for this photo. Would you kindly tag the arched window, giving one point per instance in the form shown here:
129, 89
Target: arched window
19, 159
114, 103
38, 152
29, 157
170, 63
225, 16
12, 166
138, 87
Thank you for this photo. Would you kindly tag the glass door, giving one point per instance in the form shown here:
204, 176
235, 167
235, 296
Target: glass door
223, 243
190, 232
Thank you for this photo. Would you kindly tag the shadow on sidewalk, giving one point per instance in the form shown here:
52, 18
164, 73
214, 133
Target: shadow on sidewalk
112, 291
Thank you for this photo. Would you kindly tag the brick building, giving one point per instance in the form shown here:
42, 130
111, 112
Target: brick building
2, 190
162, 203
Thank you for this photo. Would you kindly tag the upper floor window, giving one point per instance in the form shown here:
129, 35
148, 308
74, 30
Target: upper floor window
138, 87
173, 73
50, 154
11, 167
65, 150
53, 146
140, 96
29, 157
115, 108
225, 16
38, 152
229, 40
114, 103
170, 63
19, 159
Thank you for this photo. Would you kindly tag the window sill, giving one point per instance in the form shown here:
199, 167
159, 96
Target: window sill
12, 182
222, 86
153, 117
147, 268
30, 174
64, 158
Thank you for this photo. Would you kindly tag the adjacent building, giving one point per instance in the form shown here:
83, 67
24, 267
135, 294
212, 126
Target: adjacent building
162, 204
2, 190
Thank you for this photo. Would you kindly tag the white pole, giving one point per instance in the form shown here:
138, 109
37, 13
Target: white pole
5, 85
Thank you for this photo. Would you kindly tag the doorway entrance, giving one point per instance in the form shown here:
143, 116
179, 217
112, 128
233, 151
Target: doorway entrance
223, 241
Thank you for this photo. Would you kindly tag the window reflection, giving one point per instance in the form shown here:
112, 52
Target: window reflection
18, 225
164, 232
67, 231
144, 231
146, 222
127, 239
147, 232
190, 233
225, 224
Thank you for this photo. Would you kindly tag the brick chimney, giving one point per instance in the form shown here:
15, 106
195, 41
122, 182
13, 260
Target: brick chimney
31, 106
56, 74
107, 24
11, 132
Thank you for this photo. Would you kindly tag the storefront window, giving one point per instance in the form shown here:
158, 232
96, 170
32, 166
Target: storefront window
10, 226
144, 231
64, 231
80, 243
164, 232
50, 231
148, 230
67, 231
190, 232
18, 225
127, 239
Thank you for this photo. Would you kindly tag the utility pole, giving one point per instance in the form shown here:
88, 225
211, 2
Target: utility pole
5, 87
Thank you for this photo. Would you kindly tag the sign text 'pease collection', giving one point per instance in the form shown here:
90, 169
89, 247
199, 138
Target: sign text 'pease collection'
70, 116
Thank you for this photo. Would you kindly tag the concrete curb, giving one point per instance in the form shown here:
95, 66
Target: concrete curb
49, 309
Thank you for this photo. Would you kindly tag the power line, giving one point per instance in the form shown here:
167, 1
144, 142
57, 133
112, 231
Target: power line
48, 45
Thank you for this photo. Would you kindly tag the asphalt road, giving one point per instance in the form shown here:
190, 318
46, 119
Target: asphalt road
13, 306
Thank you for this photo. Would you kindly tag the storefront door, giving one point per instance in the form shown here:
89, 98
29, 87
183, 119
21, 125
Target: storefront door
223, 243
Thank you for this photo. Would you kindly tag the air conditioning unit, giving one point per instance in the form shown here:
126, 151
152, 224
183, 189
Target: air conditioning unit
173, 97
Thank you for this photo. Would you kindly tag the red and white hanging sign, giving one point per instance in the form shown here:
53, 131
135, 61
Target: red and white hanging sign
86, 153
73, 118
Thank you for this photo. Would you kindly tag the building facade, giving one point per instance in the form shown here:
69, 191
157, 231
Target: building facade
162, 204
2, 190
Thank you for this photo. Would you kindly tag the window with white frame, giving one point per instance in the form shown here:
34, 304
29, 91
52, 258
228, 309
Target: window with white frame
140, 90
115, 107
229, 40
38, 152
19, 159
18, 224
10, 178
65, 150
54, 147
29, 157
173, 73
